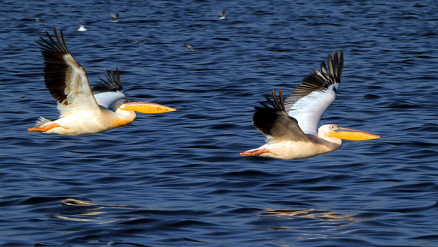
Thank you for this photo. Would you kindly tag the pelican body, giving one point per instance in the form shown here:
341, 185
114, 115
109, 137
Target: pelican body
83, 110
291, 125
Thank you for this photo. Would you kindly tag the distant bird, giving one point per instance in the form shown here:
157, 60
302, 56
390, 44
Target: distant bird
83, 110
82, 28
190, 47
32, 19
139, 42
115, 17
222, 15
291, 126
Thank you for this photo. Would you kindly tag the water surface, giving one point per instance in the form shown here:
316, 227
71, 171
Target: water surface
176, 179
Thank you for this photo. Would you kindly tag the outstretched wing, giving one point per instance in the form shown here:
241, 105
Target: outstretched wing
108, 91
274, 122
311, 98
65, 78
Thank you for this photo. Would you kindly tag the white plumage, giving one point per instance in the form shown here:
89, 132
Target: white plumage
291, 125
83, 110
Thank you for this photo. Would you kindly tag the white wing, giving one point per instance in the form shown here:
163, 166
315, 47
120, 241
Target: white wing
64, 77
311, 98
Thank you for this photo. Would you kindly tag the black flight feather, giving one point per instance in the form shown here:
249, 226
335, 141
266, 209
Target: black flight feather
112, 84
56, 69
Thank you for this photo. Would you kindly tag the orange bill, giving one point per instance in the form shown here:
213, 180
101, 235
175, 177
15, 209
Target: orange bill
148, 108
352, 135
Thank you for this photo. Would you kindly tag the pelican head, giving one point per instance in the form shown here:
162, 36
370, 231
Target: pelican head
142, 107
333, 131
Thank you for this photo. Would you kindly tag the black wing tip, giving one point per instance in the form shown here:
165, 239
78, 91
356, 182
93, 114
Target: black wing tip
330, 73
112, 83
336, 65
53, 50
265, 117
277, 104
52, 45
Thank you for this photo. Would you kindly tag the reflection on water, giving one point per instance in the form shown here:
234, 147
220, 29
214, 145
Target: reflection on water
75, 202
81, 214
175, 180
312, 224
307, 213
80, 210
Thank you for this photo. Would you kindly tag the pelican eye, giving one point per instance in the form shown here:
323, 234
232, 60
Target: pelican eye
127, 101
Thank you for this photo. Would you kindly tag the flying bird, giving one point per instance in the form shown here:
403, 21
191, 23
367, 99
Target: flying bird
83, 110
222, 15
82, 28
291, 125
139, 42
32, 19
190, 47
115, 17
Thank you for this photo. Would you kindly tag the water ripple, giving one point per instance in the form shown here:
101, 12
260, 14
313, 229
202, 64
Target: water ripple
177, 179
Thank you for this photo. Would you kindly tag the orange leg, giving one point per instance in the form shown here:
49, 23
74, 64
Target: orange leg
257, 152
45, 128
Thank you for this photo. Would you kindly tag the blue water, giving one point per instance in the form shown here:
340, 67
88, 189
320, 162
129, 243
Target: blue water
176, 179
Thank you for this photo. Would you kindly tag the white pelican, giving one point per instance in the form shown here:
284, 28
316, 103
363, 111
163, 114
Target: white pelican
291, 126
83, 113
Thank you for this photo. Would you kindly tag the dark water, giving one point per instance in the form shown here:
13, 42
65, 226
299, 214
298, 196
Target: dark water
176, 179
